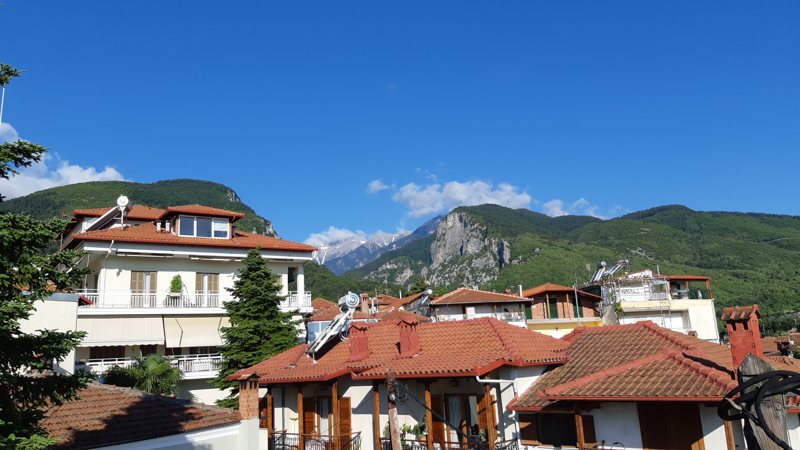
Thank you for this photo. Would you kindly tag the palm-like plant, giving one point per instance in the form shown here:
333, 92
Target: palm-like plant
7, 73
153, 374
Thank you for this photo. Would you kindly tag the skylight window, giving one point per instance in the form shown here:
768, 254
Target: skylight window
204, 227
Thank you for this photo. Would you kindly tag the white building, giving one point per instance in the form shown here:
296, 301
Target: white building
159, 281
682, 303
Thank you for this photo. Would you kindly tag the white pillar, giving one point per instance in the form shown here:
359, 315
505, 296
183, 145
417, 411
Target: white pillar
301, 280
285, 283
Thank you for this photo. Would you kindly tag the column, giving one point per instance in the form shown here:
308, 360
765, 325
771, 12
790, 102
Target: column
301, 284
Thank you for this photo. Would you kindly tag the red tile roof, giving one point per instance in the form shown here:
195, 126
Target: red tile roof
552, 287
739, 312
469, 296
687, 277
463, 348
136, 212
408, 299
106, 415
147, 234
634, 362
202, 210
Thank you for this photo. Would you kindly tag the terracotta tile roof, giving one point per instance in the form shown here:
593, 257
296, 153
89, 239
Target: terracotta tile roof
105, 415
396, 315
137, 212
552, 287
739, 312
636, 361
408, 299
147, 234
469, 296
202, 211
463, 348
687, 277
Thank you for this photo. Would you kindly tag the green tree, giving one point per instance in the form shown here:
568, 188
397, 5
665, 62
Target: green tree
259, 329
7, 73
27, 274
419, 285
154, 374
14, 155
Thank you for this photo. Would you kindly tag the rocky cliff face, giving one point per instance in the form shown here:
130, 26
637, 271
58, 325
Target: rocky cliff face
463, 253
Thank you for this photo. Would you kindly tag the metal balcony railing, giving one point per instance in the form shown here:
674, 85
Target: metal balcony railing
474, 443
124, 298
296, 300
207, 362
280, 440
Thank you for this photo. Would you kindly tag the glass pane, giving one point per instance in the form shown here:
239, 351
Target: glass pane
203, 227
220, 228
187, 226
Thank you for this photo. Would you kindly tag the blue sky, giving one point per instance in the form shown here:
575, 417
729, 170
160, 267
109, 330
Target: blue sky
582, 107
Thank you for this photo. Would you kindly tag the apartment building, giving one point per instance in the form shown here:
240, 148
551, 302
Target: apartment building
158, 284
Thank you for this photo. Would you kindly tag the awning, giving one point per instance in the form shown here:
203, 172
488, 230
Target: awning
106, 331
194, 331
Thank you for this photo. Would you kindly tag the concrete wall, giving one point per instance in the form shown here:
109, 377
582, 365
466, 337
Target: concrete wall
220, 438
619, 423
713, 428
793, 425
58, 315
201, 391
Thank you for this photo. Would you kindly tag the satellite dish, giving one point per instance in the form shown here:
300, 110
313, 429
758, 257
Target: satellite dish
350, 300
122, 201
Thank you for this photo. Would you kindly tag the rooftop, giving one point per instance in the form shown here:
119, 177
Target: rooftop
470, 296
552, 287
455, 349
106, 415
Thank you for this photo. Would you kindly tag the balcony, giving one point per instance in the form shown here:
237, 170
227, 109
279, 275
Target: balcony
194, 367
472, 443
515, 318
297, 301
143, 302
280, 440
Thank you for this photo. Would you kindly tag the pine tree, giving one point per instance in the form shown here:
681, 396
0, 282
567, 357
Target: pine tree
27, 274
259, 329
419, 285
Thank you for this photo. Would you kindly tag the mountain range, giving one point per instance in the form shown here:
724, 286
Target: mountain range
753, 258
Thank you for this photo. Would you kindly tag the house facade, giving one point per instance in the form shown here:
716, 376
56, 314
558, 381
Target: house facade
457, 378
158, 285
682, 303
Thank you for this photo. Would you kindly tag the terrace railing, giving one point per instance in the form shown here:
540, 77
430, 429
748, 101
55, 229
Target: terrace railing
280, 440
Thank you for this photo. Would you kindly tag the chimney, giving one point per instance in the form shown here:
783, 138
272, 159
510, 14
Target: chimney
167, 226
359, 345
409, 339
743, 332
248, 397
158, 226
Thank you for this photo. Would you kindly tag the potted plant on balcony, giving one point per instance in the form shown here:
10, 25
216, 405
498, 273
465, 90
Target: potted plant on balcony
175, 286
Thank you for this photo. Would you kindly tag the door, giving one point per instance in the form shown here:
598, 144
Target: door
206, 288
670, 426
143, 289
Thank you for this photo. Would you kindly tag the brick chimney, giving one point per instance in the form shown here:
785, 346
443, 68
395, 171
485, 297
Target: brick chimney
248, 397
359, 345
409, 339
743, 332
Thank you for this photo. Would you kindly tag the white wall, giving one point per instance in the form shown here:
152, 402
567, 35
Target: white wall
220, 438
713, 428
793, 425
201, 391
619, 422
57, 315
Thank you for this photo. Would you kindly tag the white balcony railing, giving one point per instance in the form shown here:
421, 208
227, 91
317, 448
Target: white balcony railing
207, 362
296, 301
124, 298
189, 364
517, 316
99, 366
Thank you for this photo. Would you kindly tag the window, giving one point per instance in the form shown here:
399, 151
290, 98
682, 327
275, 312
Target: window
143, 289
203, 350
206, 283
148, 349
110, 352
556, 429
553, 304
203, 227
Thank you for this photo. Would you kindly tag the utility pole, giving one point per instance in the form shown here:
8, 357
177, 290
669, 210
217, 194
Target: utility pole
394, 427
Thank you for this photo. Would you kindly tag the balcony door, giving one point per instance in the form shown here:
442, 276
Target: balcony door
143, 289
206, 289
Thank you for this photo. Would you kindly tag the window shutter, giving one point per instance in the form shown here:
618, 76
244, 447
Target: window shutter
137, 281
213, 282
309, 417
198, 282
588, 430
437, 406
529, 429
483, 419
153, 282
345, 426
266, 412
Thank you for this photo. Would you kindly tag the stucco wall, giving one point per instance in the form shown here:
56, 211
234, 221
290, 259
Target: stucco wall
713, 428
60, 315
618, 422
220, 438
793, 425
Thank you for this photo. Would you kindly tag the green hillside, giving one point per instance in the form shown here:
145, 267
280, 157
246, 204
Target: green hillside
60, 201
753, 258
321, 282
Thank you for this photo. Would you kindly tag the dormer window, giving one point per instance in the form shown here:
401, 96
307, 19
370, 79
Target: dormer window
194, 226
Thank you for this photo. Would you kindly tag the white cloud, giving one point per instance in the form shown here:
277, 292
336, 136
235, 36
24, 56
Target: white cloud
333, 234
42, 175
580, 207
435, 198
376, 186
8, 133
